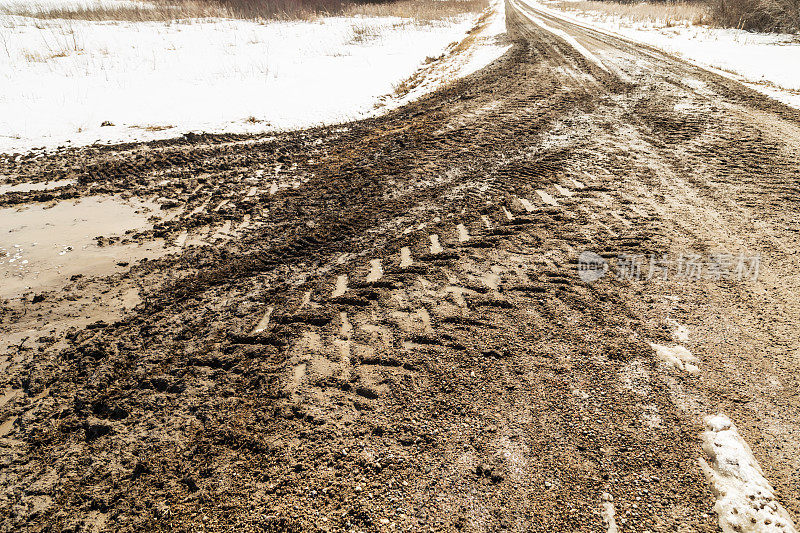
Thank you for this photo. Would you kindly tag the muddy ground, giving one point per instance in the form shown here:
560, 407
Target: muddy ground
381, 325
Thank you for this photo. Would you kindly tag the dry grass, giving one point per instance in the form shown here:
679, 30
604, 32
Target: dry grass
149, 127
54, 45
148, 11
280, 9
421, 10
666, 13
755, 15
758, 15
168, 10
364, 32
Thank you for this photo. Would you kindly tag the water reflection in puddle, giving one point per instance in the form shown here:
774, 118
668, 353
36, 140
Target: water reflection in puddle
41, 247
30, 187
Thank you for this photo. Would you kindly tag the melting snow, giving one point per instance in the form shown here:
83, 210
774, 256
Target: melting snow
609, 513
765, 62
745, 499
681, 332
676, 356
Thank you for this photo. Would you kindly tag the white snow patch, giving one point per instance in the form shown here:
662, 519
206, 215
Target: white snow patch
761, 61
487, 49
578, 184
745, 499
62, 79
546, 198
527, 205
263, 324
405, 257
341, 286
463, 234
609, 512
459, 62
375, 271
681, 332
676, 356
436, 248
563, 190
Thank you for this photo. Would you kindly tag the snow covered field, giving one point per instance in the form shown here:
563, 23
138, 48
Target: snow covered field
63, 79
767, 62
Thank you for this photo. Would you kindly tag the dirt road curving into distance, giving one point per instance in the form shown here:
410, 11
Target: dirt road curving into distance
385, 325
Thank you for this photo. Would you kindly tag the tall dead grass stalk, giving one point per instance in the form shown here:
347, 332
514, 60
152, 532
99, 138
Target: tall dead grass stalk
666, 13
758, 15
167, 10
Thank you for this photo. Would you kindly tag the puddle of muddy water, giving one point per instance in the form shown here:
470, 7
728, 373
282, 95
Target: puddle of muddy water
30, 187
41, 247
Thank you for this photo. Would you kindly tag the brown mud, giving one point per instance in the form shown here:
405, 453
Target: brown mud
380, 326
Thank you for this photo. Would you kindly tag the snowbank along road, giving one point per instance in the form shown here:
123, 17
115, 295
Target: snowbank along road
390, 325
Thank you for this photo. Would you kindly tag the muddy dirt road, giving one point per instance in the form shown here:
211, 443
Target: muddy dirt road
387, 325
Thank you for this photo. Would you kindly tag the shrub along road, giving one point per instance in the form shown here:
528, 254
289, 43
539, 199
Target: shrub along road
383, 325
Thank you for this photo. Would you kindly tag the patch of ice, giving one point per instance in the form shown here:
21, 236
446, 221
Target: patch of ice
745, 499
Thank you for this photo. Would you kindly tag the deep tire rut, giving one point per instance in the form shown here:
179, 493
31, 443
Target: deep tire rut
381, 325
